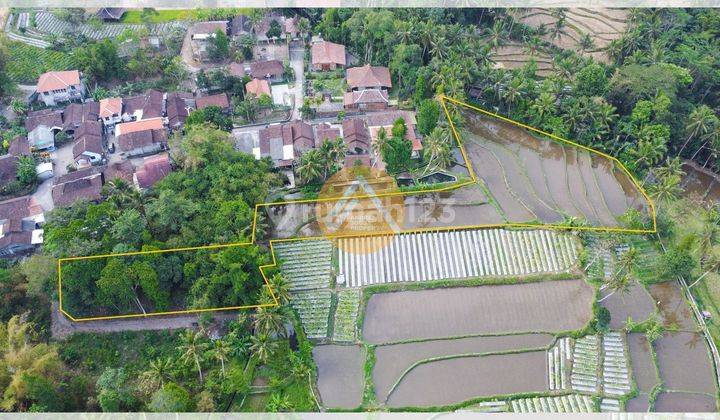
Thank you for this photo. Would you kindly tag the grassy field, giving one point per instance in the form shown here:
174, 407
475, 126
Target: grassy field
26, 63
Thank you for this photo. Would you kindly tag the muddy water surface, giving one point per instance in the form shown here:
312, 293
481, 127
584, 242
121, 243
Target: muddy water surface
684, 362
636, 303
455, 380
683, 402
451, 312
393, 360
340, 375
641, 361
639, 404
674, 311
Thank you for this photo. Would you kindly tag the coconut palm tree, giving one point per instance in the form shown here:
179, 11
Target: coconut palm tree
586, 43
437, 150
310, 166
160, 369
193, 347
262, 347
381, 140
649, 150
621, 278
221, 352
269, 320
280, 288
699, 123
667, 188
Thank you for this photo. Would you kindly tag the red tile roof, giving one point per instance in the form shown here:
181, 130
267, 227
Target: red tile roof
54, 80
141, 125
85, 184
110, 107
368, 76
237, 70
258, 87
325, 52
153, 170
221, 100
263, 69
365, 96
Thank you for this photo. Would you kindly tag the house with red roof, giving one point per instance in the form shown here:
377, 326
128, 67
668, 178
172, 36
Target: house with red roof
55, 87
327, 56
258, 87
153, 170
20, 226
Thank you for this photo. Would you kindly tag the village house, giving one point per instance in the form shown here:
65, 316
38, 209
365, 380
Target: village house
178, 107
76, 114
111, 111
327, 56
21, 222
41, 138
220, 100
55, 87
324, 132
153, 170
270, 70
142, 107
288, 28
356, 136
110, 14
368, 77
88, 149
201, 34
284, 142
385, 120
141, 137
84, 184
366, 100
258, 87
123, 170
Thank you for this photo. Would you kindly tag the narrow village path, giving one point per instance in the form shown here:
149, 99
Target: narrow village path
62, 327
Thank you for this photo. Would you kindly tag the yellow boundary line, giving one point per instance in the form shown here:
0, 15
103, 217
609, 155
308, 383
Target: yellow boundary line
473, 179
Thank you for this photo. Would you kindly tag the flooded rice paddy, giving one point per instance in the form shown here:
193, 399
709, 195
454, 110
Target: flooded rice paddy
639, 404
684, 362
451, 312
340, 375
674, 311
636, 303
700, 183
642, 363
393, 360
677, 402
452, 381
534, 178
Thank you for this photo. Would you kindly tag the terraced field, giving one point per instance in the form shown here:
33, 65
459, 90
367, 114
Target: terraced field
514, 56
306, 264
602, 25
348, 306
538, 179
26, 63
454, 255
47, 23
313, 307
573, 403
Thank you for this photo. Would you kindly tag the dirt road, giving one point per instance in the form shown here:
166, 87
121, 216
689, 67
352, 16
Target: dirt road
62, 327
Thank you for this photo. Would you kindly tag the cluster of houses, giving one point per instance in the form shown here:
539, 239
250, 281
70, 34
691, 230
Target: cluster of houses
285, 142
126, 137
368, 86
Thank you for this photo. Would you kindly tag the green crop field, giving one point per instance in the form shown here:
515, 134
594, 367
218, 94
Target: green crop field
26, 63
